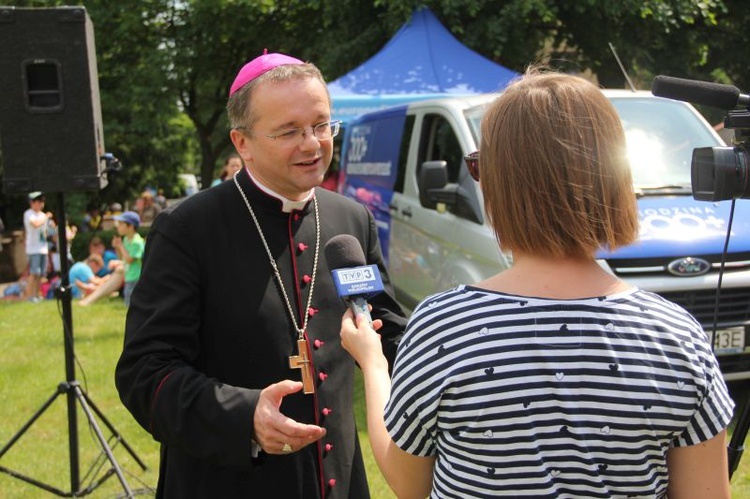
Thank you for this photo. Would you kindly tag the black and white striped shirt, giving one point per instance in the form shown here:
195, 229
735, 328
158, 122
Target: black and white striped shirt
536, 397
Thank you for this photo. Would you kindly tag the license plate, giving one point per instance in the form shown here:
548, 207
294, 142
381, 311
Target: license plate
731, 340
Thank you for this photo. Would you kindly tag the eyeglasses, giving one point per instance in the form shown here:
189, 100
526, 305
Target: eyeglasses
295, 136
472, 164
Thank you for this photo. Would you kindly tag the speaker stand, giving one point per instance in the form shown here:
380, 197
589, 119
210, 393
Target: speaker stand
75, 395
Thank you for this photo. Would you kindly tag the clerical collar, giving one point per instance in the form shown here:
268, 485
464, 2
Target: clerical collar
287, 205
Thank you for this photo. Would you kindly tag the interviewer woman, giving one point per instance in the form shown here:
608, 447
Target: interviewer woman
553, 378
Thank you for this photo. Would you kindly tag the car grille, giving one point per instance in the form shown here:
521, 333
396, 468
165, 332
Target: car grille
634, 267
734, 306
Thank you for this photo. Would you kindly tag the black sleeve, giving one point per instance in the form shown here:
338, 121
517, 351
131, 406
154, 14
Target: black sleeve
158, 375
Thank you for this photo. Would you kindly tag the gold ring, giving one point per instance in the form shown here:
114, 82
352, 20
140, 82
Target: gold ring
287, 449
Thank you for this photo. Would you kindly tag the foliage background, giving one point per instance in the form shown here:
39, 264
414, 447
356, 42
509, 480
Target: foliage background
165, 65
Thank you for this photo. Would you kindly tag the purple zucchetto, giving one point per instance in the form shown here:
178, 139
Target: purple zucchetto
258, 66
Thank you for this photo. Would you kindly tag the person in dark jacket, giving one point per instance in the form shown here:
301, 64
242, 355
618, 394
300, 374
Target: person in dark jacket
236, 301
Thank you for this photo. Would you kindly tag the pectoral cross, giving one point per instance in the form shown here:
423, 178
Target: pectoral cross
302, 361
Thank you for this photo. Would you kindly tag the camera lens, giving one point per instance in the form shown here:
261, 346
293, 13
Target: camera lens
719, 173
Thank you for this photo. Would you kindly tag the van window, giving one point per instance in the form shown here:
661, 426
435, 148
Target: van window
439, 142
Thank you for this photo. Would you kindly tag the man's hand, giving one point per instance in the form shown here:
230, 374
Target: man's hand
276, 433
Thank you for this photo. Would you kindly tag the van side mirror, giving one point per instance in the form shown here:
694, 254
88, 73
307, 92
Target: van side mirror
433, 177
435, 192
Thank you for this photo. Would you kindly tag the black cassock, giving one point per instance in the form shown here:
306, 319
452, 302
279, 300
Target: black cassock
208, 328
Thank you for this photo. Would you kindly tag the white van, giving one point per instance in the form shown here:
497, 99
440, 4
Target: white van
406, 164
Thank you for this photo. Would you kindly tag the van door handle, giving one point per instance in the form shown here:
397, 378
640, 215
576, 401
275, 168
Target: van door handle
393, 207
406, 212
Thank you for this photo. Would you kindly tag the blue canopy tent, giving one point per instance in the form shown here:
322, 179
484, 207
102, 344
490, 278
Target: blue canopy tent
423, 60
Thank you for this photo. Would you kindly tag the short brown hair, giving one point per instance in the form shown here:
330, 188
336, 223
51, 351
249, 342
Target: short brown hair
555, 175
238, 106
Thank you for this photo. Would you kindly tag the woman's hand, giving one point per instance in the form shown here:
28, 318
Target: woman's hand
362, 341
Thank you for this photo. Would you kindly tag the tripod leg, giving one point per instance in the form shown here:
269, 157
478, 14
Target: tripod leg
71, 388
30, 422
113, 431
102, 441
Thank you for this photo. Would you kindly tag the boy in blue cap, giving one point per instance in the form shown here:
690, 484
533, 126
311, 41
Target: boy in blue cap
129, 247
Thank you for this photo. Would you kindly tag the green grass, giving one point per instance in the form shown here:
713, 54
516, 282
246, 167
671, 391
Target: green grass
33, 365
33, 360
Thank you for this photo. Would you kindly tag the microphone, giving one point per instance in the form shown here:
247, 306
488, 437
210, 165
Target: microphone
355, 280
705, 93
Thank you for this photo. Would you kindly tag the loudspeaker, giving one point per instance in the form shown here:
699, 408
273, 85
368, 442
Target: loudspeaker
51, 137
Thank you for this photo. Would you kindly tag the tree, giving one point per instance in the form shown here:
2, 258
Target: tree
206, 42
652, 36
143, 127
726, 57
165, 66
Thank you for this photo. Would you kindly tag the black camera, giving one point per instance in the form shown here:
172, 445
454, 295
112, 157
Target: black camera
717, 173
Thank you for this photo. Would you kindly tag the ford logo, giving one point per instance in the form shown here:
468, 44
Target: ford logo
689, 266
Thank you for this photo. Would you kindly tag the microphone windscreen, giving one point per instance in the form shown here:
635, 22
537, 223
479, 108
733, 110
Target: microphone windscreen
705, 93
344, 251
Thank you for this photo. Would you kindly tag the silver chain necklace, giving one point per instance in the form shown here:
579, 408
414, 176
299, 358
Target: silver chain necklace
292, 315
